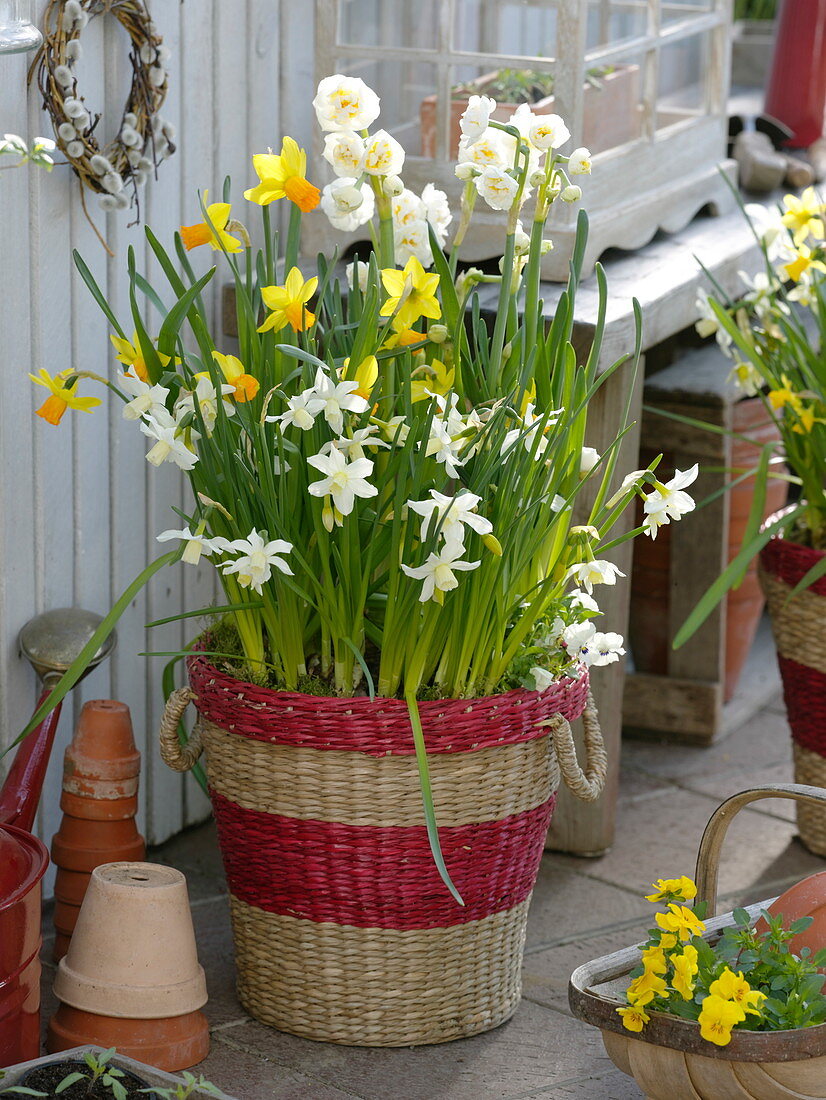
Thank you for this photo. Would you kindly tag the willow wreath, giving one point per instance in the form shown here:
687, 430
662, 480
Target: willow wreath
143, 138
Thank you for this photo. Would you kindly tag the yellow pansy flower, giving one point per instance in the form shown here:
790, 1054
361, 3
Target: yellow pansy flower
215, 234
685, 971
680, 920
668, 941
246, 387
283, 177
717, 1017
785, 395
734, 987
645, 988
62, 397
653, 959
681, 887
288, 303
803, 215
439, 380
132, 356
633, 1017
412, 293
802, 262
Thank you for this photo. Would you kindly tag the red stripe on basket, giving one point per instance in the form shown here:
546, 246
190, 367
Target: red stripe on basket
372, 877
790, 562
804, 690
382, 726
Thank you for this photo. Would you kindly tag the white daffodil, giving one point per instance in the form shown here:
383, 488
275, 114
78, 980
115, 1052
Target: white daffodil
345, 103
344, 150
558, 503
542, 679
709, 323
437, 210
770, 231
196, 544
169, 443
588, 459
589, 573
337, 398
353, 447
669, 501
548, 132
358, 273
412, 239
476, 117
145, 398
407, 208
451, 515
337, 200
396, 430
206, 395
492, 150
746, 378
760, 293
383, 155
301, 411
438, 573
531, 425
579, 162
344, 481
257, 558
444, 448
497, 187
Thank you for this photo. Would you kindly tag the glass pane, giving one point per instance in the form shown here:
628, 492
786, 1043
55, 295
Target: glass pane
676, 11
612, 106
403, 87
682, 80
613, 21
519, 28
395, 23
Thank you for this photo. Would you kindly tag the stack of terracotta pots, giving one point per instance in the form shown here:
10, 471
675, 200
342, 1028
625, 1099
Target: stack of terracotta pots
99, 803
131, 977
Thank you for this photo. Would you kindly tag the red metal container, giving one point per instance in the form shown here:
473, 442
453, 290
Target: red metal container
23, 860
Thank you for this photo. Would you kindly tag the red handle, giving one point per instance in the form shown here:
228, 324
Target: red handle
20, 793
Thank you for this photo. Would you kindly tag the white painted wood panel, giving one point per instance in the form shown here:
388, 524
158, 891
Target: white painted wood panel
79, 506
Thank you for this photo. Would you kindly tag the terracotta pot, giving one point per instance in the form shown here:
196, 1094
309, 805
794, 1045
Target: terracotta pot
650, 576
341, 921
99, 799
610, 112
804, 899
799, 628
132, 968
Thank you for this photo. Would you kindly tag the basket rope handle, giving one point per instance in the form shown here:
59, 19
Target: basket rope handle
587, 785
175, 755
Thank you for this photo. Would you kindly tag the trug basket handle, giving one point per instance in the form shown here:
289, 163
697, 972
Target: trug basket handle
588, 784
708, 856
175, 755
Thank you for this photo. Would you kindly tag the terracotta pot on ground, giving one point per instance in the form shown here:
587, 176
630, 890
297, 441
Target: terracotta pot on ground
343, 929
131, 977
804, 899
99, 800
799, 628
650, 576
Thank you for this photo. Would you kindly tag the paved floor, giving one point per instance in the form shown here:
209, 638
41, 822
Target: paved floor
581, 909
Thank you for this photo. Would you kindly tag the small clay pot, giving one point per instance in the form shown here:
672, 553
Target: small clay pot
804, 899
131, 976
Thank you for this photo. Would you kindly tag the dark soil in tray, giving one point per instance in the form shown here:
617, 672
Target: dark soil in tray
46, 1079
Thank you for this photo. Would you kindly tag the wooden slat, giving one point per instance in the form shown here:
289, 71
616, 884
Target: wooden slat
691, 709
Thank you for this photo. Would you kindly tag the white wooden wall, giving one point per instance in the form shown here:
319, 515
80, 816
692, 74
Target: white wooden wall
79, 506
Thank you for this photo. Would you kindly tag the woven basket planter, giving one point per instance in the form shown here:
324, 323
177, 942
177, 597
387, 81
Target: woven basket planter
343, 929
799, 628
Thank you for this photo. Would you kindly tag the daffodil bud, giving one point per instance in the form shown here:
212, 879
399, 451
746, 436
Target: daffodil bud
465, 171
571, 193
234, 226
587, 530
537, 177
588, 459
327, 516
392, 186
492, 543
437, 334
546, 246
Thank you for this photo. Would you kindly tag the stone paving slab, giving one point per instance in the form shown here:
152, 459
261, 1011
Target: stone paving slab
724, 785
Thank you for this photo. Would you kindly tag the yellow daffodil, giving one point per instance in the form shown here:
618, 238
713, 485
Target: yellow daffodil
664, 888
283, 177
653, 959
214, 234
288, 303
734, 987
806, 420
365, 374
685, 971
681, 921
246, 387
644, 989
435, 378
62, 397
803, 215
785, 395
633, 1017
802, 263
717, 1017
132, 356
403, 338
412, 293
